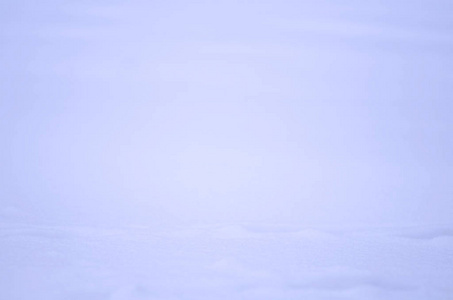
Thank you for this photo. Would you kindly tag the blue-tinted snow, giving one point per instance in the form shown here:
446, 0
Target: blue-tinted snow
247, 261
319, 130
163, 112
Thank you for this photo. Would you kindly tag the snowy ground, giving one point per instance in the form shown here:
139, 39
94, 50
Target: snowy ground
225, 262
170, 112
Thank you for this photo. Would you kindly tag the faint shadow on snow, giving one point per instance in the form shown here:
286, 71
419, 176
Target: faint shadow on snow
86, 295
132, 292
250, 231
289, 230
238, 276
428, 233
215, 231
39, 233
345, 278
229, 267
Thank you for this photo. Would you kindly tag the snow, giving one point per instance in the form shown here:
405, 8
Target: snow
236, 261
226, 149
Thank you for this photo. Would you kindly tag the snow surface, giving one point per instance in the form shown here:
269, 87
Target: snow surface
164, 113
248, 261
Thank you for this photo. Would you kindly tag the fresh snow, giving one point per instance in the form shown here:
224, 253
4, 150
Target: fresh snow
226, 149
246, 261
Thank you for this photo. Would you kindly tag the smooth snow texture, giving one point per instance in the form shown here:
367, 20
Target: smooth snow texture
164, 118
169, 112
225, 262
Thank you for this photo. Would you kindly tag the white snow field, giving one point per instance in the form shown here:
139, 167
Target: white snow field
225, 262
127, 127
